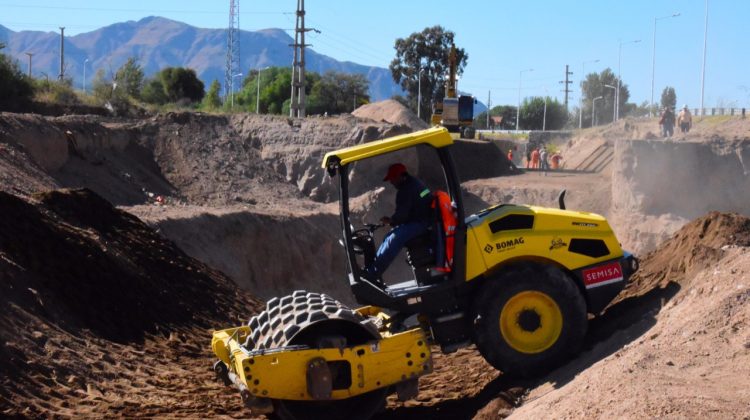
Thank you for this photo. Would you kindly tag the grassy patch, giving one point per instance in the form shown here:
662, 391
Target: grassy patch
505, 136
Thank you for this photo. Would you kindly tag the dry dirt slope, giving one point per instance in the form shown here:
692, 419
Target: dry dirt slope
72, 347
686, 352
69, 370
101, 316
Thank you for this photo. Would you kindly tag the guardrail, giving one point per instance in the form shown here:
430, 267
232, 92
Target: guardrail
718, 111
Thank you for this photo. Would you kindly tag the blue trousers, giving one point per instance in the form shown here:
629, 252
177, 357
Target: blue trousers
393, 242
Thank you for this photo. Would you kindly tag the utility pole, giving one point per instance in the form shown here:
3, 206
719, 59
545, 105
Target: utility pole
703, 68
489, 107
29, 54
297, 103
567, 82
233, 48
580, 101
619, 78
62, 53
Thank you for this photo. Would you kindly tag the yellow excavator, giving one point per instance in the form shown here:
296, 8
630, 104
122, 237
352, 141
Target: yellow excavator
520, 285
454, 112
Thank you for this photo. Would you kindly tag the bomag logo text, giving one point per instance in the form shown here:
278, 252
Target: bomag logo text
504, 245
509, 244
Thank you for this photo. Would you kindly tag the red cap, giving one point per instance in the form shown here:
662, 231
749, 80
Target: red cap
395, 171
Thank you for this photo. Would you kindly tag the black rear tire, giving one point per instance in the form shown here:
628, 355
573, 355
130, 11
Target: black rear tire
530, 319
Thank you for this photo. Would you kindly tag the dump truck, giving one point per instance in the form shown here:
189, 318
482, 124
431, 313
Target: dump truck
520, 285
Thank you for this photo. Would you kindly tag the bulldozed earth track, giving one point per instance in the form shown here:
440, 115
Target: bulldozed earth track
103, 314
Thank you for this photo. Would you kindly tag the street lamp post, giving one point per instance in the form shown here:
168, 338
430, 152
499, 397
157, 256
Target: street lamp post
653, 61
580, 102
614, 107
518, 110
703, 68
619, 76
29, 54
593, 109
544, 115
257, 96
232, 88
419, 93
84, 75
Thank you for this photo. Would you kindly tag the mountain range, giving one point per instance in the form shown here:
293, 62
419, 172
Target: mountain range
159, 42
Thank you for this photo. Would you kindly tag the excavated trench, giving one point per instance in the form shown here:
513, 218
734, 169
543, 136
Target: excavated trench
246, 195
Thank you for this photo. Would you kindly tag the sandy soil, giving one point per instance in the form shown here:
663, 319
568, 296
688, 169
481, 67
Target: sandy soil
390, 111
101, 316
104, 315
687, 355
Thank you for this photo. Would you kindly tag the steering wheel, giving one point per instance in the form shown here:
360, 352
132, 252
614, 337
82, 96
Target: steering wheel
363, 235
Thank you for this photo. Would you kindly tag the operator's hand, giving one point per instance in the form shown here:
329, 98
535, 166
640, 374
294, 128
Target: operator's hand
385, 220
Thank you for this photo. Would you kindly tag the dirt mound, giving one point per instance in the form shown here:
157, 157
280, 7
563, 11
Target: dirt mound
676, 343
696, 246
19, 174
95, 267
703, 129
95, 304
188, 157
390, 111
464, 385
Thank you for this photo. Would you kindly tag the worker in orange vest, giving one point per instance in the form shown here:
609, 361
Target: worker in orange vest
555, 160
535, 158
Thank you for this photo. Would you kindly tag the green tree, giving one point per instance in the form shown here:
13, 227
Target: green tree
173, 85
636, 110
153, 92
57, 91
129, 78
104, 88
533, 116
508, 121
668, 98
593, 87
109, 93
181, 84
16, 89
212, 100
275, 86
428, 50
336, 93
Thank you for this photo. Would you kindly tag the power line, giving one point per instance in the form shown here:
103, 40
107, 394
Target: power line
103, 9
482, 87
51, 25
344, 50
348, 44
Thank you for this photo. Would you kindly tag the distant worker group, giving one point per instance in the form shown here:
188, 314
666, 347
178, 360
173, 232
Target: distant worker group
539, 158
667, 121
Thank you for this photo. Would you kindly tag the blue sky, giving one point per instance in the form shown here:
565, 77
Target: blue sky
501, 37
